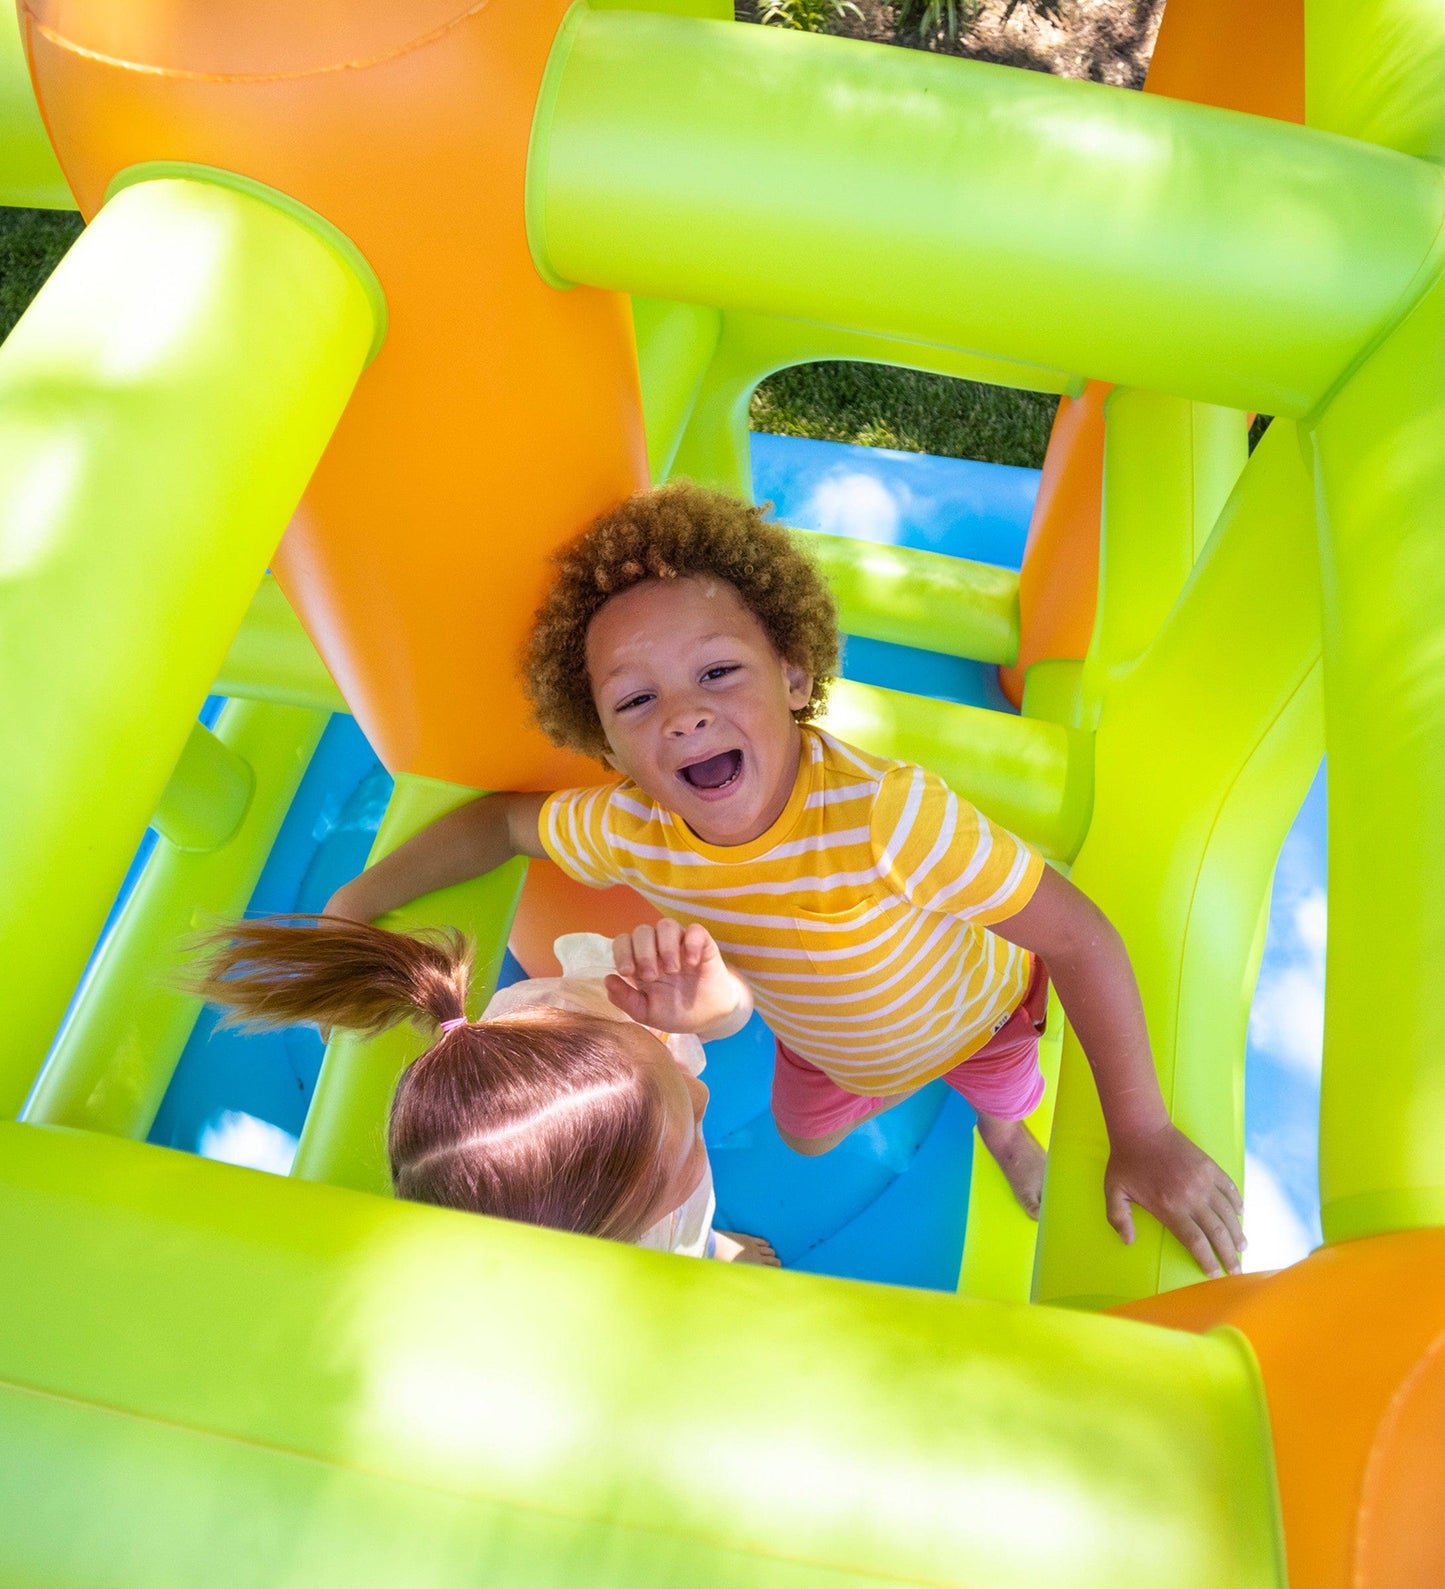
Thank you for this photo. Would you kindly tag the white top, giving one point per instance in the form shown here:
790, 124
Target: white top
586, 959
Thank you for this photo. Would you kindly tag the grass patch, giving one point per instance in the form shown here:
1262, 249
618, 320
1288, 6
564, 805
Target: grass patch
31, 245
878, 405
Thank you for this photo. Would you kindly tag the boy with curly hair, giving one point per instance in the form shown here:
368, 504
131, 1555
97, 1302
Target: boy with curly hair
889, 932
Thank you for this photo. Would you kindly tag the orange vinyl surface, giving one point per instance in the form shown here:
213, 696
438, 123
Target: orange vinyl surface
552, 903
1059, 580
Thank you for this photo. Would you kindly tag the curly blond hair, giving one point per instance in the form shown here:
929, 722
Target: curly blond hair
675, 532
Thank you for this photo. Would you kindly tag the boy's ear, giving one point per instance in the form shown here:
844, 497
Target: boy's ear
800, 686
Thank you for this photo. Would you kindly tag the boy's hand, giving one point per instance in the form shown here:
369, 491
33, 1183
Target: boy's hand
1184, 1189
673, 978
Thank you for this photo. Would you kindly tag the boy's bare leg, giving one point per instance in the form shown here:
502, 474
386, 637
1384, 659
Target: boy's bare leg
811, 1147
1019, 1155
731, 1246
1015, 1148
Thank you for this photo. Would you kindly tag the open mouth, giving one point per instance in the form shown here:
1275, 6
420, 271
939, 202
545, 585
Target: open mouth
717, 772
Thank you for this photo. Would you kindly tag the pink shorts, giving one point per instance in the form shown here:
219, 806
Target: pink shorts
1001, 1079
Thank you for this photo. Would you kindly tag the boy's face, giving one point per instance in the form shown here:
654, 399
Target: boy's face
696, 705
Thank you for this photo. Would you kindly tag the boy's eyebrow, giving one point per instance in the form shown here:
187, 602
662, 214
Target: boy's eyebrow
705, 640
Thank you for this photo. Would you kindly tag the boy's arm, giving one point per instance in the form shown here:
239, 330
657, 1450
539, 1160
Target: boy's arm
1151, 1162
464, 844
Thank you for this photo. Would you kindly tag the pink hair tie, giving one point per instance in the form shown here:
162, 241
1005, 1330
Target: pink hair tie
456, 1021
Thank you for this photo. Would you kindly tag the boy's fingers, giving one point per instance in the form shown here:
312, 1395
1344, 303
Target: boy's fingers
1119, 1213
668, 935
1224, 1209
1231, 1191
1222, 1244
622, 953
644, 953
1196, 1244
696, 941
625, 997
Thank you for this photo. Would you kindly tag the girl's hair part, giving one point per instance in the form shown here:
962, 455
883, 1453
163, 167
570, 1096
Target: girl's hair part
542, 1116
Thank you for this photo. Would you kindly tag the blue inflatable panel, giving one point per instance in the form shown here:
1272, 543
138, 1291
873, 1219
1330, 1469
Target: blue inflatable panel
888, 1203
952, 505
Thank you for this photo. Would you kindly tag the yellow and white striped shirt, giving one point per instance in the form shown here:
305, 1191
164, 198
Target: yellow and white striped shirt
858, 918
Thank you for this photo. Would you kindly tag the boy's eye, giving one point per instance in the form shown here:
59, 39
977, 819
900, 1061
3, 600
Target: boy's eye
631, 701
721, 670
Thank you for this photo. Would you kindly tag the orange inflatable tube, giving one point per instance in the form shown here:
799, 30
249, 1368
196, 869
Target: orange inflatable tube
1356, 1394
500, 415
1059, 579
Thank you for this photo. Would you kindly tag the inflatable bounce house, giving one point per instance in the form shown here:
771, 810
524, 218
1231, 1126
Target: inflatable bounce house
375, 306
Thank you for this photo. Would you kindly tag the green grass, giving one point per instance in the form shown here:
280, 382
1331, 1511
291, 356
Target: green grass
31, 243
873, 405
877, 405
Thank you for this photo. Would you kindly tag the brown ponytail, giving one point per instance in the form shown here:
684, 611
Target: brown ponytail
542, 1116
335, 972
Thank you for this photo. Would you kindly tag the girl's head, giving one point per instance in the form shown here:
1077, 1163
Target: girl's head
684, 641
577, 1121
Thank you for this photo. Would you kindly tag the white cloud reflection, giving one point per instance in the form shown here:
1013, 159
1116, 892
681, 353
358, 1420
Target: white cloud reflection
234, 1137
1286, 1043
1277, 1235
857, 505
1287, 1019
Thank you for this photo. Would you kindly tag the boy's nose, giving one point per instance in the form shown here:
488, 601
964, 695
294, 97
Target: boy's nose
687, 718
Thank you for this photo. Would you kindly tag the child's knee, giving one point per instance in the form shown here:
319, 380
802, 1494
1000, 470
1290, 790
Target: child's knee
813, 1147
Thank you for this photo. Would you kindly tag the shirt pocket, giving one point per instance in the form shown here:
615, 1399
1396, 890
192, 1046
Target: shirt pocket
841, 943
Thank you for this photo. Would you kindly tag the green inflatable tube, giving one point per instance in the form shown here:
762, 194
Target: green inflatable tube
1380, 457
162, 405
913, 598
296, 1385
971, 206
115, 1057
1375, 72
1169, 466
1204, 751
675, 345
205, 799
1035, 778
272, 658
1375, 69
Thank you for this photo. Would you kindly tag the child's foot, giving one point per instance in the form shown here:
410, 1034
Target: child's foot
1018, 1154
731, 1247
